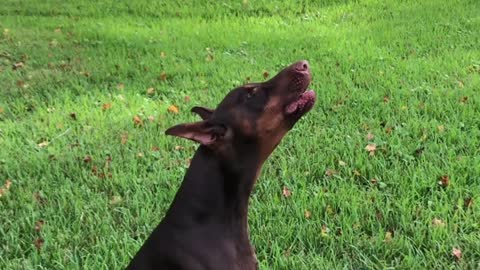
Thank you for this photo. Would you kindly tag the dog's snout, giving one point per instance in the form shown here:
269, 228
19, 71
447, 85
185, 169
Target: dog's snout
302, 66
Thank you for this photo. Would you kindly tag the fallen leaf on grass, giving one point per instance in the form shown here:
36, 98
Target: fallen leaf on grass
87, 159
441, 128
38, 243
39, 198
388, 237
371, 148
386, 99
324, 231
18, 65
155, 148
286, 192
39, 224
163, 76
124, 138
463, 100
444, 181
265, 74
330, 172
106, 106
137, 121
73, 116
370, 136
457, 254
178, 147
115, 200
43, 144
173, 109
468, 202
1, 110
150, 91
5, 187
307, 214
436, 222
162, 54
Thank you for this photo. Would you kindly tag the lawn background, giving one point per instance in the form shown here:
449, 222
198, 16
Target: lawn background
86, 171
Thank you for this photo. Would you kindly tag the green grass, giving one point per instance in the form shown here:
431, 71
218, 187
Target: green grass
424, 56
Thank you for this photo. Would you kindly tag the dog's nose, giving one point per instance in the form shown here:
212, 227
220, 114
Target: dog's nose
302, 65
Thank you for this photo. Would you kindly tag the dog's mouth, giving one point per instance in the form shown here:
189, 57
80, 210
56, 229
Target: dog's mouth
304, 98
301, 104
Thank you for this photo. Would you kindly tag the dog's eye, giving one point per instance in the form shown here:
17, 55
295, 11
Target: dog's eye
251, 92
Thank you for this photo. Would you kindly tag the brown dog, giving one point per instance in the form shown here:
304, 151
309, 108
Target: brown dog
206, 225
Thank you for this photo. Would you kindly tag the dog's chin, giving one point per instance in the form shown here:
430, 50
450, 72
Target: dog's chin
302, 104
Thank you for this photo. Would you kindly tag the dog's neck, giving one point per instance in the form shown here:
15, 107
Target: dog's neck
215, 190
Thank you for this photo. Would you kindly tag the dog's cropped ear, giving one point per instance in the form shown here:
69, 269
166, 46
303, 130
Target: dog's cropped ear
203, 112
202, 132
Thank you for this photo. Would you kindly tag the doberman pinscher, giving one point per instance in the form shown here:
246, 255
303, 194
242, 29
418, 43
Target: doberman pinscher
206, 225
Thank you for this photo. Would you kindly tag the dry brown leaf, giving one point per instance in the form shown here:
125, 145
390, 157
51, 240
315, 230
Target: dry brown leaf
137, 121
18, 65
286, 192
123, 138
330, 172
73, 115
265, 74
43, 144
371, 148
373, 181
444, 181
39, 224
173, 109
386, 99
457, 254
150, 91
468, 202
388, 237
87, 159
463, 99
325, 230
39, 198
115, 200
441, 128
38, 243
155, 148
308, 214
436, 222
106, 106
5, 187
178, 147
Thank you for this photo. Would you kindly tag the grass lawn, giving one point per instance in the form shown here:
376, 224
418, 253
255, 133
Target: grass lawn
86, 92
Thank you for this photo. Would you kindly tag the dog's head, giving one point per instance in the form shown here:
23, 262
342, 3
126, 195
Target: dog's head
253, 116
